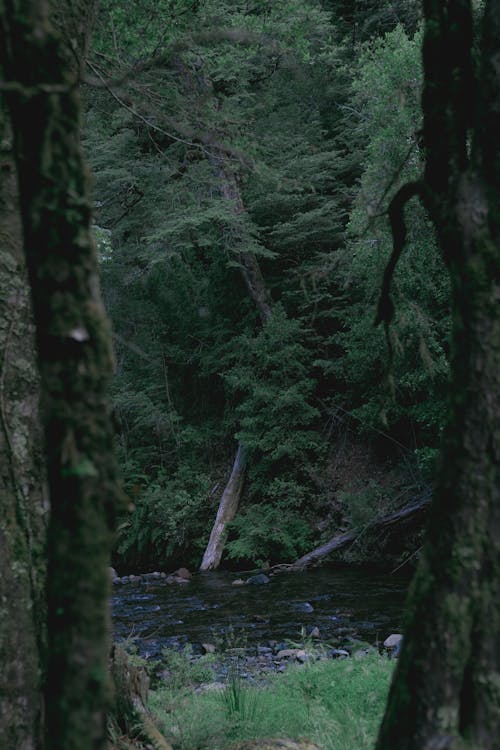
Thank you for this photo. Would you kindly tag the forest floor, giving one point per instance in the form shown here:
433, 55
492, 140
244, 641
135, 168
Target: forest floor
335, 704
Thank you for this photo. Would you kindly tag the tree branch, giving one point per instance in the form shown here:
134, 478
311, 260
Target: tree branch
385, 309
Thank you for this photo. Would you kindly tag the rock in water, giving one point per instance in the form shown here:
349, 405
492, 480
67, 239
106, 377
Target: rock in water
275, 743
183, 573
257, 580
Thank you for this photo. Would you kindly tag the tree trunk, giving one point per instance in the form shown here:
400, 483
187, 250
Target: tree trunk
23, 495
130, 712
446, 691
228, 507
249, 265
75, 364
343, 540
256, 286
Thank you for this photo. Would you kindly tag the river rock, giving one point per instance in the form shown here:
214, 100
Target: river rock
275, 743
238, 582
148, 576
208, 648
113, 574
261, 618
174, 578
393, 641
338, 653
183, 573
314, 632
258, 580
303, 607
288, 653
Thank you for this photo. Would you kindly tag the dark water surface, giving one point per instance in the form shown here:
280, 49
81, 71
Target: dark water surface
341, 602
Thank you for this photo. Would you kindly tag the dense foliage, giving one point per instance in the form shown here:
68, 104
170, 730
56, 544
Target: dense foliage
220, 132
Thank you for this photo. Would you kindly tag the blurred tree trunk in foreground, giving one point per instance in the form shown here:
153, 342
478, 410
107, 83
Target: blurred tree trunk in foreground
446, 691
23, 501
75, 362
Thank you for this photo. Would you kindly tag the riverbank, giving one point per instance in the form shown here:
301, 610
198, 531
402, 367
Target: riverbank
335, 607
337, 705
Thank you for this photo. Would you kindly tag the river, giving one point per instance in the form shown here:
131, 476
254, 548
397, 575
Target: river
343, 603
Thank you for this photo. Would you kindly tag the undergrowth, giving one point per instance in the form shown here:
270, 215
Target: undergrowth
337, 704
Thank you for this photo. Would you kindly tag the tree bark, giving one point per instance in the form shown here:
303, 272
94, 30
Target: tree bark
130, 712
228, 507
23, 494
446, 690
75, 363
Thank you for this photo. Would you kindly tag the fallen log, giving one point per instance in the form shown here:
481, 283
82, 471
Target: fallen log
343, 540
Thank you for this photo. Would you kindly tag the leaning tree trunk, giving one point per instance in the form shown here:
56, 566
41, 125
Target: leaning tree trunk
75, 364
228, 507
446, 691
23, 495
339, 541
256, 286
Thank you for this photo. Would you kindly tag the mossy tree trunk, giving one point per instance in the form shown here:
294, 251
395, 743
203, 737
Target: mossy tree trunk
75, 364
446, 691
23, 494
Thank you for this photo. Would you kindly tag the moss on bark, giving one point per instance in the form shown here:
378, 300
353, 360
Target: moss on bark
75, 363
446, 691
23, 503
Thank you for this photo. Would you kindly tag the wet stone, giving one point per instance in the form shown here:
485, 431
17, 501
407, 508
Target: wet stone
264, 650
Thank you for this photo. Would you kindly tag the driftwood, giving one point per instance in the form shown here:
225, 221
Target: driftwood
343, 540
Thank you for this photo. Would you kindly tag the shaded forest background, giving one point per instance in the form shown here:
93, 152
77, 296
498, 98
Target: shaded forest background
244, 154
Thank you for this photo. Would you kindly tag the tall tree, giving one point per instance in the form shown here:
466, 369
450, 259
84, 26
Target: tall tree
74, 359
446, 691
205, 112
23, 495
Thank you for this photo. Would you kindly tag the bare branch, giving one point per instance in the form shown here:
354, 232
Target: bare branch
385, 310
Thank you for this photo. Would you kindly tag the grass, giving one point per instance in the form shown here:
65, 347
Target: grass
337, 704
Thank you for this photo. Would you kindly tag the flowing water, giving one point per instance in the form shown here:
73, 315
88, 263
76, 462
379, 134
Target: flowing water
342, 603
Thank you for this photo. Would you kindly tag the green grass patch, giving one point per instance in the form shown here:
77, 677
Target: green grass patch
337, 704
